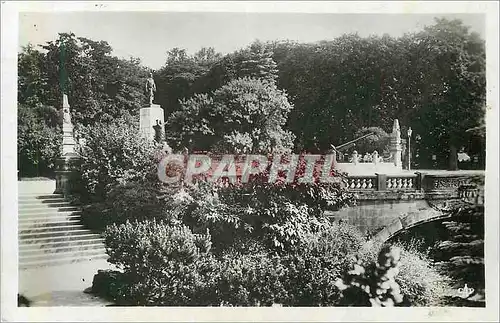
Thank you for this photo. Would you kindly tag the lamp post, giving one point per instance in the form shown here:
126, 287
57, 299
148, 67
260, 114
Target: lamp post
409, 151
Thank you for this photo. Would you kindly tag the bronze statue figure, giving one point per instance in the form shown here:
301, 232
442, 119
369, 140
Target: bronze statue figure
150, 88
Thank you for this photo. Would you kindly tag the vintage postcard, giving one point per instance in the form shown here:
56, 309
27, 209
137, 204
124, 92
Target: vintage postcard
250, 161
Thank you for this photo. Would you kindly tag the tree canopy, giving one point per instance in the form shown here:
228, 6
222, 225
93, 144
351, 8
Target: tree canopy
432, 81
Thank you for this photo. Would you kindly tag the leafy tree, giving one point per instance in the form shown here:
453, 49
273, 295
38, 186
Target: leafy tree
244, 116
38, 141
449, 64
99, 86
32, 77
255, 61
379, 141
181, 76
338, 87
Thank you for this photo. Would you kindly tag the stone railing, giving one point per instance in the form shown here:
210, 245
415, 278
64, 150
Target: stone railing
382, 182
401, 182
361, 182
419, 185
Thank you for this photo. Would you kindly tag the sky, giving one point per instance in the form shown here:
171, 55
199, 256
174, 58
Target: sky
149, 35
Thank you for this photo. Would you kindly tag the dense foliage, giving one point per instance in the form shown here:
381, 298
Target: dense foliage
100, 88
246, 115
248, 244
39, 140
112, 154
460, 252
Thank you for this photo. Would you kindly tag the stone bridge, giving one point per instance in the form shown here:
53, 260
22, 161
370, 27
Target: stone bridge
388, 204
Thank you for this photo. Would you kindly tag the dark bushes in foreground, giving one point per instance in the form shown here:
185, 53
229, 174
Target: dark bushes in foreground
168, 265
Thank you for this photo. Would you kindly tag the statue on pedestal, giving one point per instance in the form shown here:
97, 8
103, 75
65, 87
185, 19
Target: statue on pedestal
150, 88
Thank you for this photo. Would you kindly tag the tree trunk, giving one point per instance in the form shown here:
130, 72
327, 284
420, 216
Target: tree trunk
453, 161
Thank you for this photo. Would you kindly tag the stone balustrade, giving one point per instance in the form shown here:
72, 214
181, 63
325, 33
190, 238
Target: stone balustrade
361, 182
418, 185
403, 182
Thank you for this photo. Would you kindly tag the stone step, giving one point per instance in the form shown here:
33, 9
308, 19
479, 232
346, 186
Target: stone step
62, 249
52, 234
38, 196
33, 211
61, 239
43, 206
25, 264
51, 223
29, 201
48, 216
59, 244
52, 229
62, 254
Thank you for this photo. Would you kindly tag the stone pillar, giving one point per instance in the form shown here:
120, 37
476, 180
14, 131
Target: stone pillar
420, 184
381, 182
149, 118
396, 149
67, 164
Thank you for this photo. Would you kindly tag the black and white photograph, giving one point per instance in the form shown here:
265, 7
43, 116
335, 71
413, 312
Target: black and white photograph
295, 160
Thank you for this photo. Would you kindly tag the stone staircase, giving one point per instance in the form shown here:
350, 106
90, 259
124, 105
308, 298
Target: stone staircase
50, 232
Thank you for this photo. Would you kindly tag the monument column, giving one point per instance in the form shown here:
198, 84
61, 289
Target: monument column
151, 116
396, 149
67, 164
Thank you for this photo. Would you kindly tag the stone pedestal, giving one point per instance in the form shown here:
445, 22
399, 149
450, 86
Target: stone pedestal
68, 164
66, 168
396, 149
150, 117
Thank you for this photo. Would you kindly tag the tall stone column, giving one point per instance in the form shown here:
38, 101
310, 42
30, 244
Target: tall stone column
396, 149
67, 164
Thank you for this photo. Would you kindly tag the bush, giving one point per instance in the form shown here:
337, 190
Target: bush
420, 282
315, 265
163, 264
167, 264
304, 277
113, 154
250, 280
278, 215
133, 201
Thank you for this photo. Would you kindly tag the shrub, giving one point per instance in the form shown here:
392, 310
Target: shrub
163, 264
133, 201
250, 280
113, 154
316, 263
278, 215
373, 284
420, 282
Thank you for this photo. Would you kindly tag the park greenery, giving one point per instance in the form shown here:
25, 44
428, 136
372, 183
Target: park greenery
432, 80
251, 244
